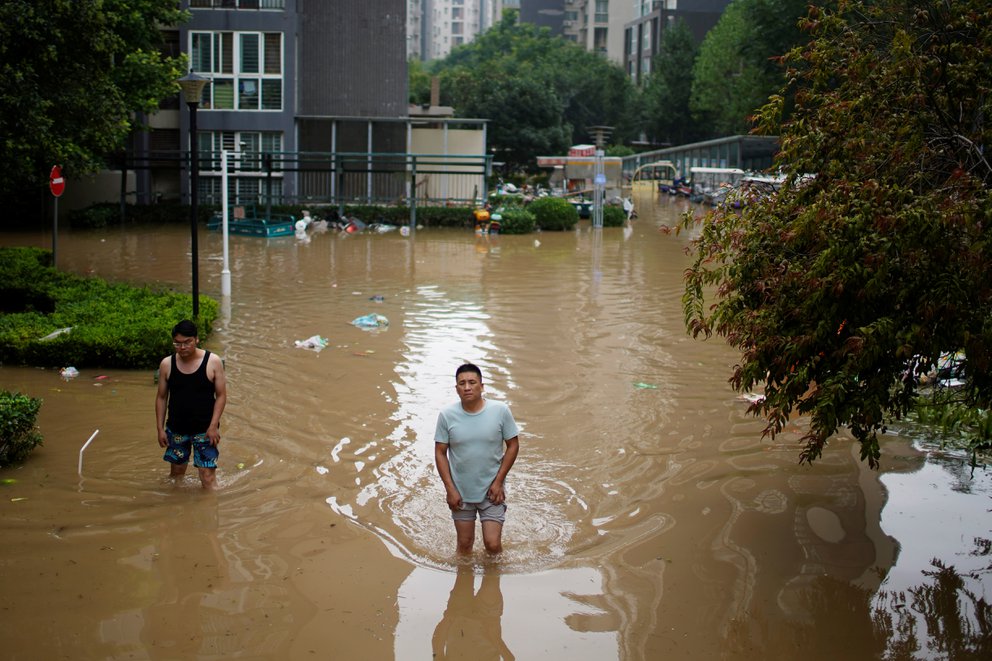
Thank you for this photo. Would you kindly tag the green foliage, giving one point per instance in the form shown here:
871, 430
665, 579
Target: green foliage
619, 151
737, 67
96, 215
553, 213
72, 77
19, 434
874, 258
953, 423
419, 76
112, 325
428, 216
613, 216
539, 92
666, 92
516, 220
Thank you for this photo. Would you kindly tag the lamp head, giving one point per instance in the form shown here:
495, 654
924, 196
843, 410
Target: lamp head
192, 85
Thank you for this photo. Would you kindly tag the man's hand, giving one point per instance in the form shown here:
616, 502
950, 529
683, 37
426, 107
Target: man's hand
163, 438
496, 494
213, 434
454, 499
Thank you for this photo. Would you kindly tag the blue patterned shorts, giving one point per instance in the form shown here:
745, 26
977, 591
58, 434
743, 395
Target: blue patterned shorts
182, 445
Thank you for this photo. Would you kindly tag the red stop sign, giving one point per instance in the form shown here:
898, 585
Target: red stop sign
56, 182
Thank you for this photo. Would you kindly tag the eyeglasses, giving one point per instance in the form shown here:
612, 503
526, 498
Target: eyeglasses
184, 343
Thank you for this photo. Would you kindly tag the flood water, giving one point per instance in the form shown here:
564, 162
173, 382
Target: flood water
647, 518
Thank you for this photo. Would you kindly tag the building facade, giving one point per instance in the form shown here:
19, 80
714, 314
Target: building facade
435, 27
287, 77
642, 34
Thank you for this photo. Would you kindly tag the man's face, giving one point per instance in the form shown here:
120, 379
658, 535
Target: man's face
469, 386
185, 346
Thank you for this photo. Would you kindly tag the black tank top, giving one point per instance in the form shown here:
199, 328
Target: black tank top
191, 399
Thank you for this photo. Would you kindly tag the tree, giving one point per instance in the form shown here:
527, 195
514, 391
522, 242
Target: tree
72, 75
666, 92
540, 92
737, 66
875, 257
419, 76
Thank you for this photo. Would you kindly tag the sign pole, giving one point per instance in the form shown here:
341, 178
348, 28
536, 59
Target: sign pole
55, 235
56, 184
225, 274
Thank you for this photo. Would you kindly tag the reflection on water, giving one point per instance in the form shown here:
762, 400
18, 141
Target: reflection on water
648, 517
491, 615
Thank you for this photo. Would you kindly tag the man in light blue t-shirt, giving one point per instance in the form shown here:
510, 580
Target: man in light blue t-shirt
468, 451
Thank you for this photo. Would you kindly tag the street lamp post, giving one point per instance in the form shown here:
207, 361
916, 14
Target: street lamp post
192, 86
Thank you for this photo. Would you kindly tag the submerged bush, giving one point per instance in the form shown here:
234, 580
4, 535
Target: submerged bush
553, 213
19, 434
516, 220
62, 319
613, 216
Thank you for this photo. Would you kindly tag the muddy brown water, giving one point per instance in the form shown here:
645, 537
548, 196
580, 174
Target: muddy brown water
648, 518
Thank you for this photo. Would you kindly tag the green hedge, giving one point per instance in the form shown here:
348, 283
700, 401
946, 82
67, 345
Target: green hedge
554, 213
112, 325
19, 434
613, 216
516, 220
108, 214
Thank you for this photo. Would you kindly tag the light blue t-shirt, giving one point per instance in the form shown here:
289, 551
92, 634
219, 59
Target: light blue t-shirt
475, 445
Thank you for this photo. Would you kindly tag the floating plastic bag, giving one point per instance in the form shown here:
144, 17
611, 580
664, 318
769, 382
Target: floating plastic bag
370, 321
55, 334
314, 343
68, 373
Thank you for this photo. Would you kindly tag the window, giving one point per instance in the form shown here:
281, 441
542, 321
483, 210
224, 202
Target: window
247, 176
237, 4
602, 11
245, 68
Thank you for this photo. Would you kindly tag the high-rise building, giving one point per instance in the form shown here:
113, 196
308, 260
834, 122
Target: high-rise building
642, 34
435, 27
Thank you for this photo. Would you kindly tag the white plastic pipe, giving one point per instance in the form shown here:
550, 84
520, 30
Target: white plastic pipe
83, 448
225, 274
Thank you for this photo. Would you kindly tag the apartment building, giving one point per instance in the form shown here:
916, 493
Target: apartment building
642, 34
435, 27
286, 77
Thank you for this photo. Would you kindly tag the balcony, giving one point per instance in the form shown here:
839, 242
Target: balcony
237, 4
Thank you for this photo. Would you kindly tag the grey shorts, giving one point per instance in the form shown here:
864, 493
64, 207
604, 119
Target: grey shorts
485, 510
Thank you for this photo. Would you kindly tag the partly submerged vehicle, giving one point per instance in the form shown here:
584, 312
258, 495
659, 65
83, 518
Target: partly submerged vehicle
659, 176
711, 185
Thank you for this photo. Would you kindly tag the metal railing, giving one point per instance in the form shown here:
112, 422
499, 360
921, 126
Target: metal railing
338, 178
237, 4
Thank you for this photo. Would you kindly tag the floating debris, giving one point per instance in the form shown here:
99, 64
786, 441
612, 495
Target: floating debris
55, 334
314, 343
370, 321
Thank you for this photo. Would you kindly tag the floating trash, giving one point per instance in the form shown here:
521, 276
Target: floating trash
370, 321
647, 386
377, 298
7, 481
55, 334
314, 343
68, 373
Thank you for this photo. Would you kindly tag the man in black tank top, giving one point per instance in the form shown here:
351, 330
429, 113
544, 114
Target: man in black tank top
192, 390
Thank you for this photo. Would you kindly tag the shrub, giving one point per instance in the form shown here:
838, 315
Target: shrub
94, 216
516, 221
613, 216
553, 213
18, 433
112, 325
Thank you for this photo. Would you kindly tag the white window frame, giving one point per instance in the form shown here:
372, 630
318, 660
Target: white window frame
239, 80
